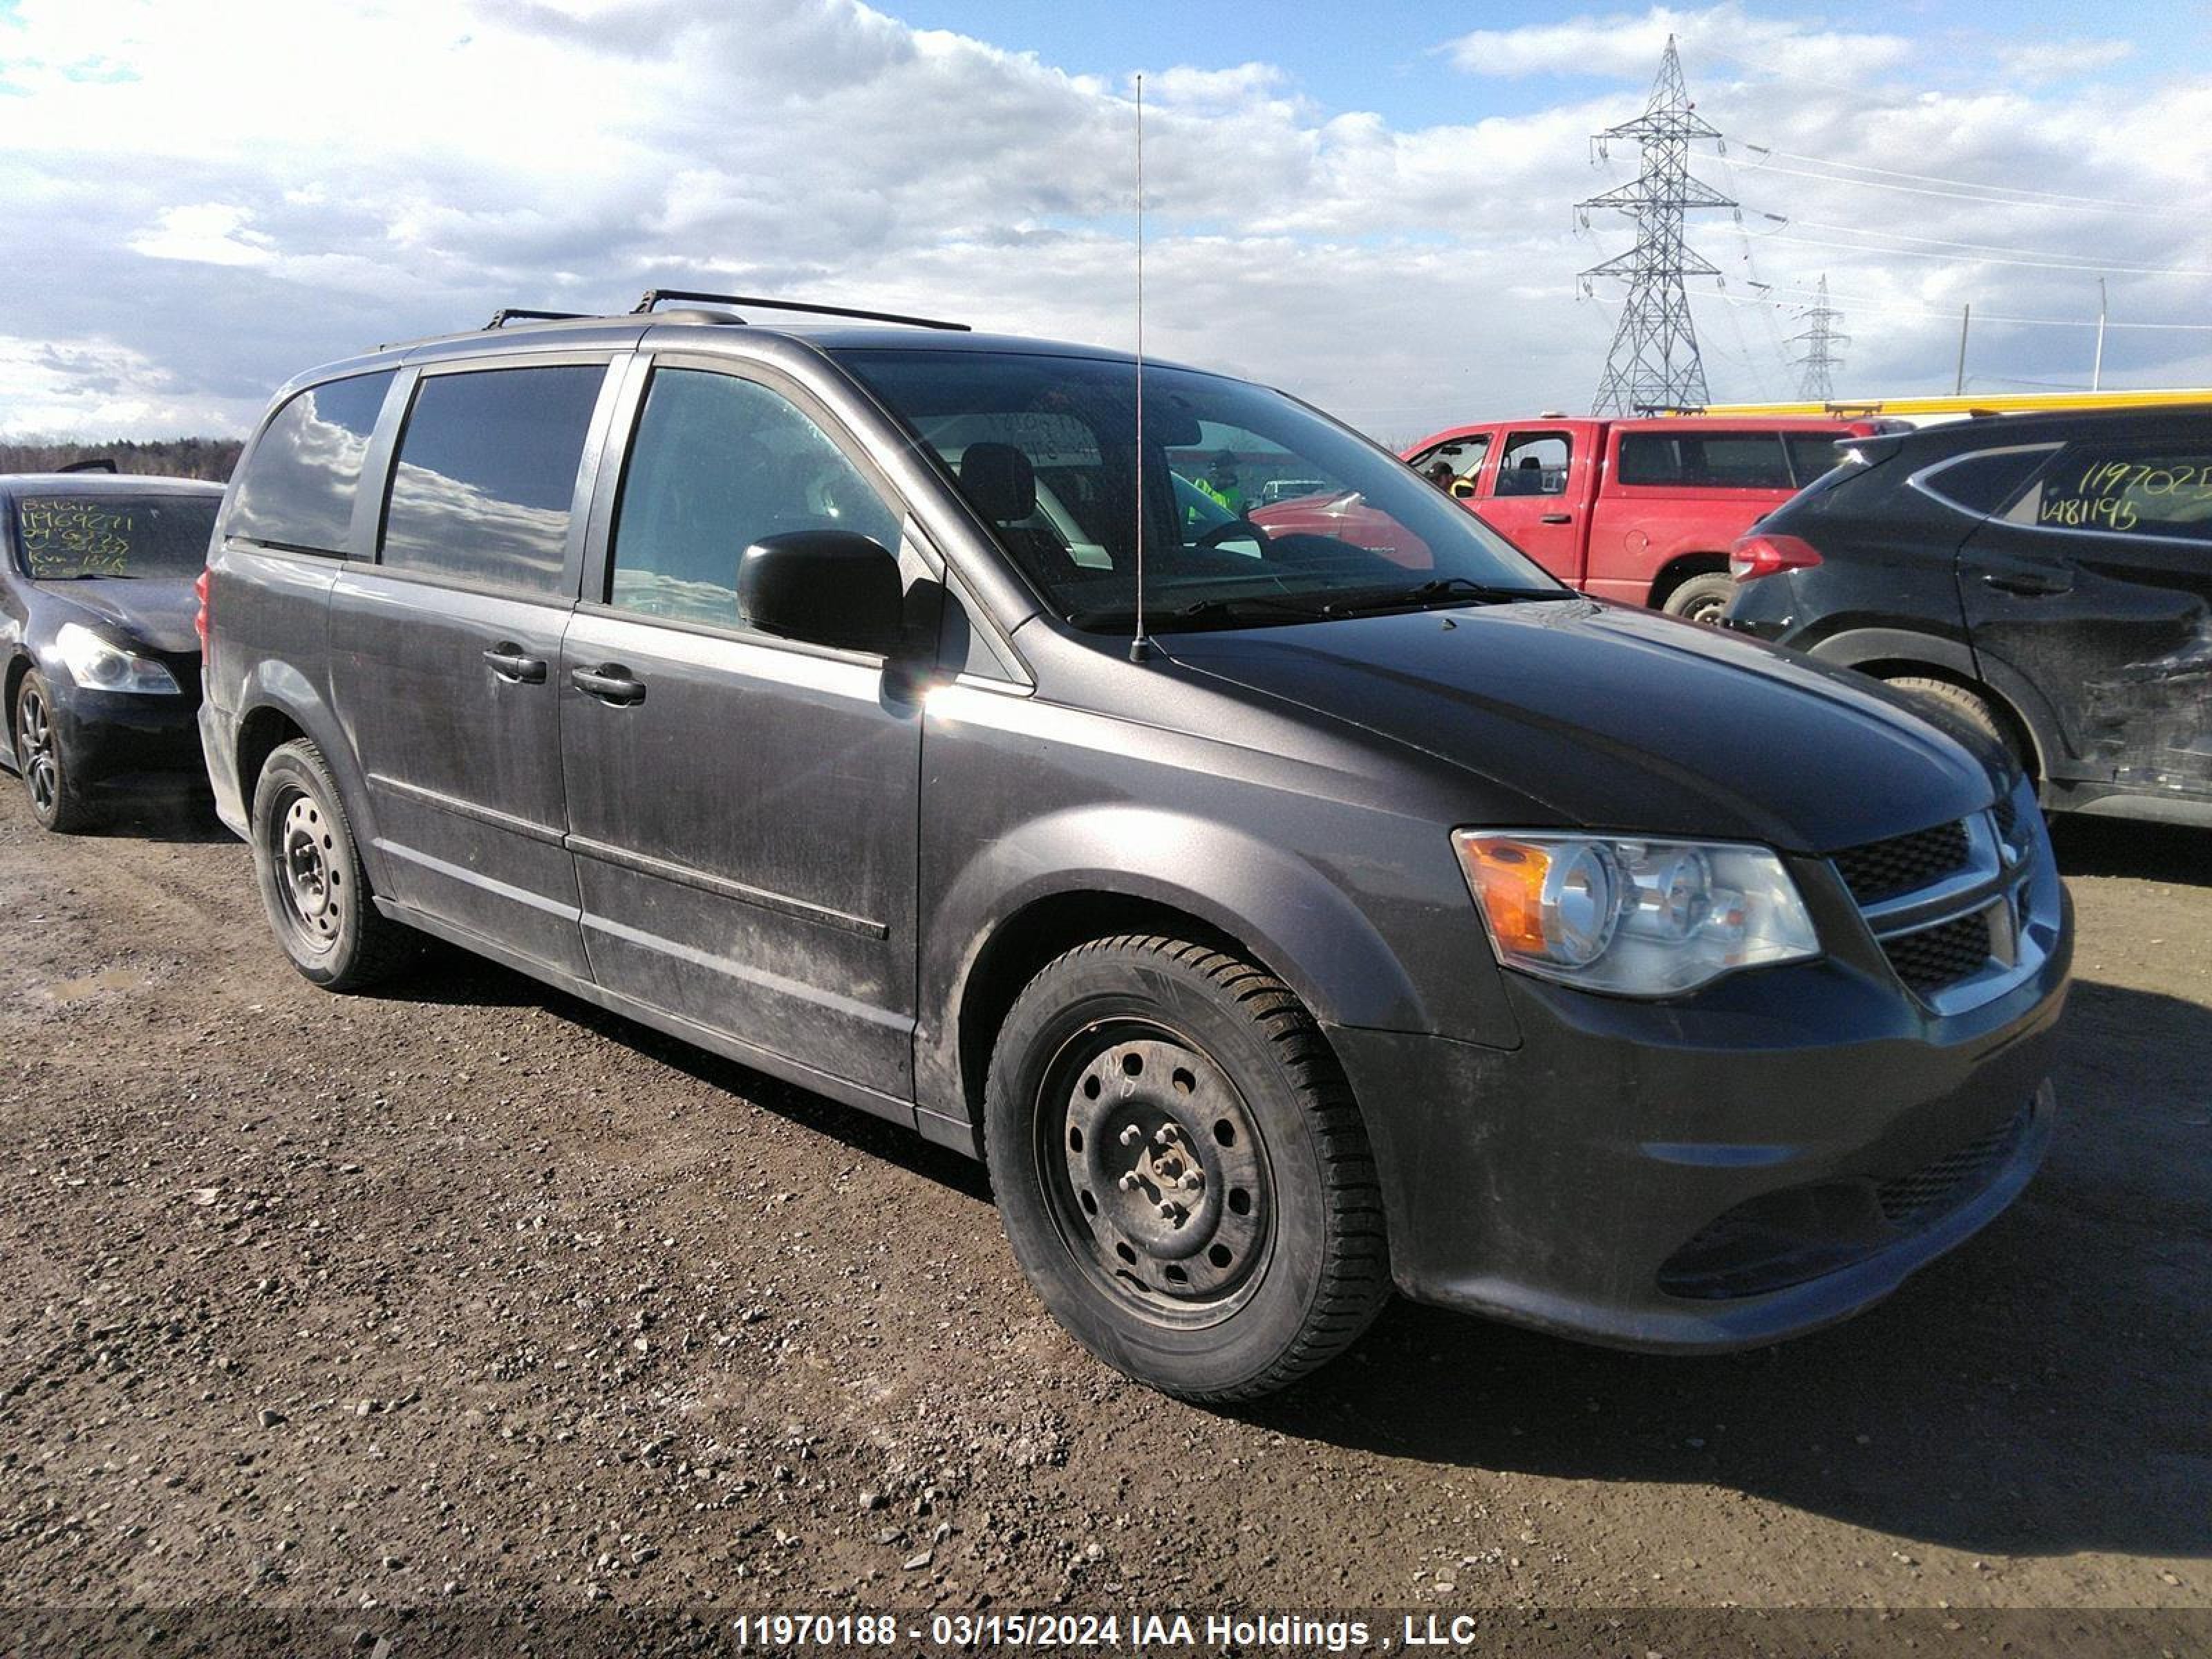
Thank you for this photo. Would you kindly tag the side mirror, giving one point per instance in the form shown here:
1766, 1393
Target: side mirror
823, 587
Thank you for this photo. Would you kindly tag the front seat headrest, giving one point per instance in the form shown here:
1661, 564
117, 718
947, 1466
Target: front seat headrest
999, 481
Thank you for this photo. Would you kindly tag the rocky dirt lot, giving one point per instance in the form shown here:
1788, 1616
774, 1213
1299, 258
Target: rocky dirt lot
470, 1294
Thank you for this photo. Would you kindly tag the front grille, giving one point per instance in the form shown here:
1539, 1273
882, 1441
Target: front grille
1940, 956
1956, 1175
1882, 869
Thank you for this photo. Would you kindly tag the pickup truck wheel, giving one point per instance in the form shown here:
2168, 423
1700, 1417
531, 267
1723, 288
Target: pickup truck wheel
57, 802
1182, 1172
1701, 598
313, 888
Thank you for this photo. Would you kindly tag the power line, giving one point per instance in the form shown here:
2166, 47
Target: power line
2048, 196
1942, 241
1964, 196
1866, 303
2090, 269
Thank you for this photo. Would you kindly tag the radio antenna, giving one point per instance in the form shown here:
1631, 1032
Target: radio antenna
1141, 646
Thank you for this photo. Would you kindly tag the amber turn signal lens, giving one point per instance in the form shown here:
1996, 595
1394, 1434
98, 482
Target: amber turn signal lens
1508, 877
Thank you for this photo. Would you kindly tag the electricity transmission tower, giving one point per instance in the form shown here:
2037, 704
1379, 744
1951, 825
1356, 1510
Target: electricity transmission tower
1819, 340
1654, 361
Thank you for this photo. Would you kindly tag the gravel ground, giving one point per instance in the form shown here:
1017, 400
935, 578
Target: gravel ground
470, 1294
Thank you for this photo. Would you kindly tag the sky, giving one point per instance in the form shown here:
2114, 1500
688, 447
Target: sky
1371, 206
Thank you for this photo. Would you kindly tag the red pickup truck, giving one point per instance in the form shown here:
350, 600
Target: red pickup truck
1640, 510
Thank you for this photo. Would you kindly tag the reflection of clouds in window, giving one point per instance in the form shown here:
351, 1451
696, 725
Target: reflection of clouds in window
298, 486
487, 468
719, 463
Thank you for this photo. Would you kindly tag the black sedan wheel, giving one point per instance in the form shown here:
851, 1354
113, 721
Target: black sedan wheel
56, 801
1182, 1170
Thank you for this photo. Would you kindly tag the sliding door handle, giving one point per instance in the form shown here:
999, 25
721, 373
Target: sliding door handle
610, 683
511, 663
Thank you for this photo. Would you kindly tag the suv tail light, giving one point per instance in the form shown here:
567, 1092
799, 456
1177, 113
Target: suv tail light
1766, 555
200, 617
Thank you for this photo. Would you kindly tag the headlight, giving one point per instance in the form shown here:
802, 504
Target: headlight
97, 666
1636, 918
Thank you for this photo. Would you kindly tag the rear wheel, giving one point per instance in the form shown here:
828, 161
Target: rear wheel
309, 871
1701, 598
1966, 705
57, 800
1182, 1170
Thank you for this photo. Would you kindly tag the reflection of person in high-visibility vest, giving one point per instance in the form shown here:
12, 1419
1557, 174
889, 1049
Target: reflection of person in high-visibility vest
1220, 482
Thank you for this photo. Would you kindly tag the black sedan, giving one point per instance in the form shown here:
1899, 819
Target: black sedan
100, 657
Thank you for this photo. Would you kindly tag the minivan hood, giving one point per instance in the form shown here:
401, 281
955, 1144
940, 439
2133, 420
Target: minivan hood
1609, 717
155, 611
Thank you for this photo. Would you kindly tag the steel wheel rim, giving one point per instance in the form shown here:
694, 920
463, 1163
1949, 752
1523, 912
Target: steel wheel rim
1706, 611
1155, 1172
304, 847
34, 735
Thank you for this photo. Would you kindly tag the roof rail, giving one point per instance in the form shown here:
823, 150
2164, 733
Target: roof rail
96, 464
506, 315
653, 296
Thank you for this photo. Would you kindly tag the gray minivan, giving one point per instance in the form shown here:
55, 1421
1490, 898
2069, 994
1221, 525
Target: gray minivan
1284, 913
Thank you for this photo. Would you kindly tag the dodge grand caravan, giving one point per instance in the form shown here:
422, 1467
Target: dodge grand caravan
1293, 923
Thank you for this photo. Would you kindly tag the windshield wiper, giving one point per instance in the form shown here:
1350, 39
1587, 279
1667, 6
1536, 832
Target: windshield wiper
1447, 588
1204, 610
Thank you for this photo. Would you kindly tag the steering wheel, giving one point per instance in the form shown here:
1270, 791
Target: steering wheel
1239, 525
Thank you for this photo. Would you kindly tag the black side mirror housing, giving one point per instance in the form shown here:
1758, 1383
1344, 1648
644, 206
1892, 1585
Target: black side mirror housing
830, 587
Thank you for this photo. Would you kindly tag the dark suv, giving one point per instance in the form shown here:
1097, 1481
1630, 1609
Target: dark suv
1288, 921
2046, 577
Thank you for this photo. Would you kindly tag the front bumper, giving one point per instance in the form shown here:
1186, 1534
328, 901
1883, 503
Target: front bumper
108, 736
1759, 1161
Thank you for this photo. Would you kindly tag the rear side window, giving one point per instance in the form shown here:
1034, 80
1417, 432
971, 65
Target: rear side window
486, 472
298, 486
718, 464
1707, 460
1812, 455
2162, 490
1983, 483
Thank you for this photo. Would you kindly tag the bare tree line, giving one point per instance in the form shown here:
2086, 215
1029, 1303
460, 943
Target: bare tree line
168, 458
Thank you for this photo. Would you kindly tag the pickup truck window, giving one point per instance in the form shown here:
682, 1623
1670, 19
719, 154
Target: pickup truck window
1043, 449
1704, 461
1534, 463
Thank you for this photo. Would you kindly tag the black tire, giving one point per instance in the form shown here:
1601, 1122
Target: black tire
314, 889
58, 801
1228, 1109
1971, 707
1701, 598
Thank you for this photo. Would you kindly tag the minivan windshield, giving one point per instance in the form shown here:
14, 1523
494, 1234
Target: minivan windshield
61, 538
1257, 510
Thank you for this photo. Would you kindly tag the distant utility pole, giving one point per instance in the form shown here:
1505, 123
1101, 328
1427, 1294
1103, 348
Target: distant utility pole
1820, 339
1654, 361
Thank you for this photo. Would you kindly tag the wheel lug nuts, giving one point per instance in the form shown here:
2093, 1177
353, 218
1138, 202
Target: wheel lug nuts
1192, 1181
1170, 1212
1166, 1135
1132, 1135
1129, 1182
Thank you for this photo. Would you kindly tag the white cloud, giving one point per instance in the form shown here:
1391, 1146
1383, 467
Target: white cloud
572, 155
211, 235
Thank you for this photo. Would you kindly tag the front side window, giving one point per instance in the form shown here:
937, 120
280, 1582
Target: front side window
2162, 490
63, 538
486, 472
297, 486
1043, 449
718, 464
1534, 463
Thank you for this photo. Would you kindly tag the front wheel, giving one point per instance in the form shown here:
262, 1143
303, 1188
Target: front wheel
1182, 1172
58, 800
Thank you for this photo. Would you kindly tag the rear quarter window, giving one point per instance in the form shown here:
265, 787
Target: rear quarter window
1704, 461
297, 486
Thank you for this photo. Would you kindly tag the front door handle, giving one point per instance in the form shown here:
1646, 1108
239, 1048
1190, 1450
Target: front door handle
510, 662
1557, 517
2033, 583
609, 683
